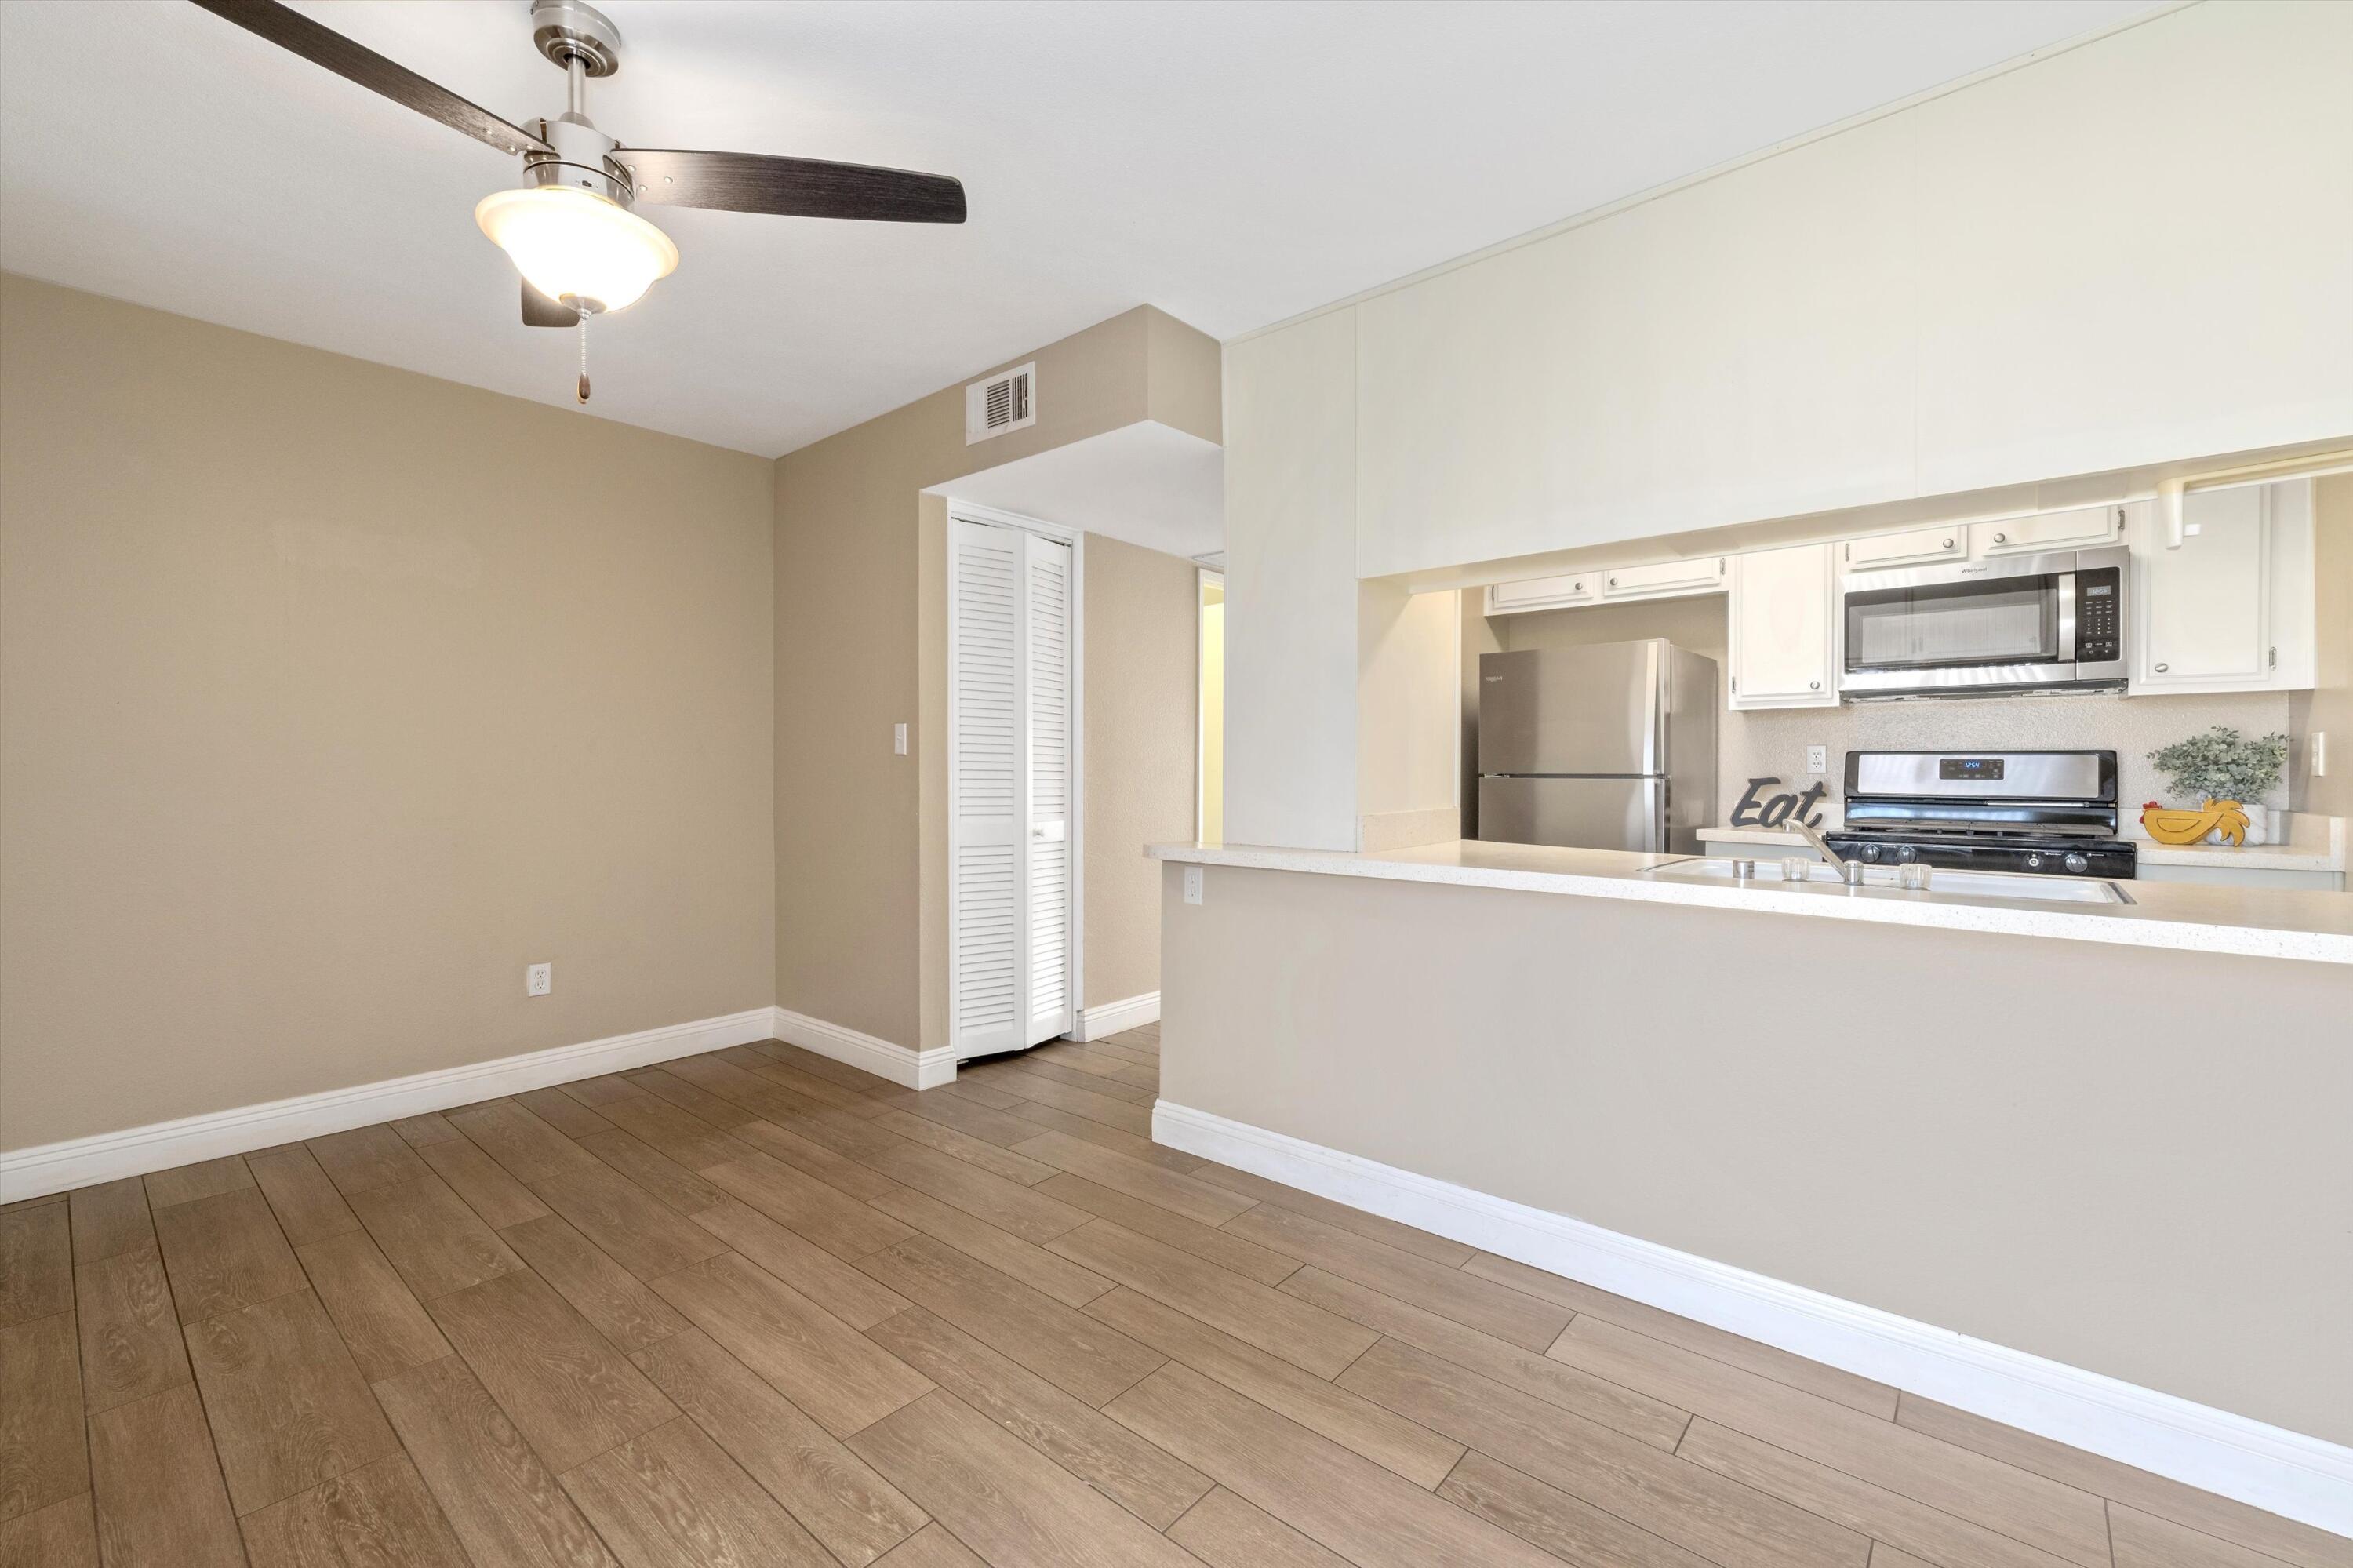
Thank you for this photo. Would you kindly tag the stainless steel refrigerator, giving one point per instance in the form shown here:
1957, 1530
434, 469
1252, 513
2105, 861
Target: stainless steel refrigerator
1606, 747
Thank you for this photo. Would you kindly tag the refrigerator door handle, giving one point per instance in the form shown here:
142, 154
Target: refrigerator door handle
1652, 716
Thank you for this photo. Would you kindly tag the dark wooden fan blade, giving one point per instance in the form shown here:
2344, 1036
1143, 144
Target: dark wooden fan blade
791, 187
538, 310
290, 29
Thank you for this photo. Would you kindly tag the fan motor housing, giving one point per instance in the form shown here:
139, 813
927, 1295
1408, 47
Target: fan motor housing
582, 159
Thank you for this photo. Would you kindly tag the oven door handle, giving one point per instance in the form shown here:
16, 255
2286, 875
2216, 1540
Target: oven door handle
2066, 581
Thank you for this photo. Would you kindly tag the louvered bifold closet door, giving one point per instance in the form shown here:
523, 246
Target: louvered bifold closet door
1046, 690
987, 981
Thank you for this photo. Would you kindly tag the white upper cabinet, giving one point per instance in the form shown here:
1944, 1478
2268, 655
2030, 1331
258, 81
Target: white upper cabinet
2232, 608
1541, 593
1664, 579
1920, 547
1784, 628
2082, 529
1656, 579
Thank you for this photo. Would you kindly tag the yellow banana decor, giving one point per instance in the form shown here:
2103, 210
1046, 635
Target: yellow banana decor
2170, 826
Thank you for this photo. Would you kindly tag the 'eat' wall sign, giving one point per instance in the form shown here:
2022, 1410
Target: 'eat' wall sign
1776, 810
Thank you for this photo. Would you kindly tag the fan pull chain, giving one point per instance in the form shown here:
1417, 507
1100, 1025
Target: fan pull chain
584, 357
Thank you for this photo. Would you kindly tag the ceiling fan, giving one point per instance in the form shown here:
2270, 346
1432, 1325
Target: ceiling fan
570, 229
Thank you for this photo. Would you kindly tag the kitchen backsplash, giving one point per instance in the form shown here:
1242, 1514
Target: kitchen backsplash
1759, 745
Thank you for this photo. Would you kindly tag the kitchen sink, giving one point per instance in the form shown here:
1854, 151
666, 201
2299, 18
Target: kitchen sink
1767, 872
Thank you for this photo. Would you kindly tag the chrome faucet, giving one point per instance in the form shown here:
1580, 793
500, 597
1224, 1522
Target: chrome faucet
1850, 870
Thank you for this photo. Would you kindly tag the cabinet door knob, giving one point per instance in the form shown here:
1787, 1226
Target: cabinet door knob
1946, 545
2002, 539
1613, 582
1815, 685
2161, 669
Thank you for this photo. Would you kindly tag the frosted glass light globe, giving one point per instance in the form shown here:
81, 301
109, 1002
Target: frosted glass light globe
576, 245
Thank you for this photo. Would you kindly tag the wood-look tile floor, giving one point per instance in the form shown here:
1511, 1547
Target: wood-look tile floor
758, 1307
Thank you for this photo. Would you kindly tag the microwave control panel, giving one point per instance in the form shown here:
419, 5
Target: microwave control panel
2097, 595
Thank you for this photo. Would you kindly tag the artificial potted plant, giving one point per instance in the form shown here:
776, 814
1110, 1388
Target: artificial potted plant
2220, 764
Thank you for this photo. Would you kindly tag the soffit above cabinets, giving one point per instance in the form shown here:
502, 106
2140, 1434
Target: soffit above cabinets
1917, 306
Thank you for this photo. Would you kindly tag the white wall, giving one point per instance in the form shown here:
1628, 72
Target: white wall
1290, 587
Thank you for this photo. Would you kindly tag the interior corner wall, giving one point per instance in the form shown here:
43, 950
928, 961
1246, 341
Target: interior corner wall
330, 696
1143, 716
1408, 717
860, 645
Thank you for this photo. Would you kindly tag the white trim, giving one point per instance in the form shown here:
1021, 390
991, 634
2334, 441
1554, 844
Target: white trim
2287, 1473
903, 1064
1094, 1022
972, 512
108, 1156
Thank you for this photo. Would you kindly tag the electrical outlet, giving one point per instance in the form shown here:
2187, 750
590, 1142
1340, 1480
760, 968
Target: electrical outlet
1192, 885
1817, 760
539, 979
898, 740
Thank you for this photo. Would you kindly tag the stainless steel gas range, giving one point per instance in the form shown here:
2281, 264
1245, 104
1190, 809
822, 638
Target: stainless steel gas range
2049, 811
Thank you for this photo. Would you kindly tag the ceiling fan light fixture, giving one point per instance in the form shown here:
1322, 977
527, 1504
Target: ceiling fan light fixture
577, 247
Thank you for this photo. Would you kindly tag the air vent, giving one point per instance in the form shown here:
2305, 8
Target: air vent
1001, 402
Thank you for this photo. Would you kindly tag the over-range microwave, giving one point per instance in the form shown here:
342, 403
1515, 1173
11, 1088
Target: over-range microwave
2052, 622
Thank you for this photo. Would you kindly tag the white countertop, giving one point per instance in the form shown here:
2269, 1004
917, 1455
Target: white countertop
2317, 843
2194, 916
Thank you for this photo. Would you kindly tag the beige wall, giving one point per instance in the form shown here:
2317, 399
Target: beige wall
331, 696
2329, 706
1141, 717
860, 645
2160, 1197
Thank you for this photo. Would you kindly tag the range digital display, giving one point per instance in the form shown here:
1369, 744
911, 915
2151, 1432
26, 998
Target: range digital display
1969, 768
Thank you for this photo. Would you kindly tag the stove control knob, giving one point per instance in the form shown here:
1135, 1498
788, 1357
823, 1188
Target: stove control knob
1867, 851
2077, 863
1907, 852
2033, 860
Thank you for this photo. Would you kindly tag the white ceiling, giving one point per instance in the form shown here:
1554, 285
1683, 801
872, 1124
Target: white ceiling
1232, 163
1148, 484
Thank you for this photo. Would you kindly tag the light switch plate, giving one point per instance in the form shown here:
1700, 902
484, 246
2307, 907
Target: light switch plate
1192, 885
1817, 760
899, 740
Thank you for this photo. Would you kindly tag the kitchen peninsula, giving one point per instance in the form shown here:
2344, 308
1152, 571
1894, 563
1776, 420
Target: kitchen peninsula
1994, 1151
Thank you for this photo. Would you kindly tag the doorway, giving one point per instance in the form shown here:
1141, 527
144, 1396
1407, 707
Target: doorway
1014, 797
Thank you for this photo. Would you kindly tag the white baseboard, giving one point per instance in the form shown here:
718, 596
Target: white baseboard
2284, 1472
1094, 1022
902, 1064
108, 1156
